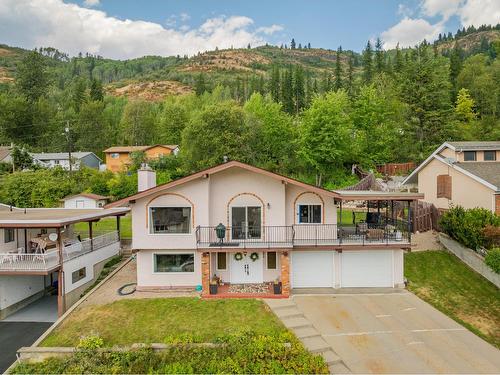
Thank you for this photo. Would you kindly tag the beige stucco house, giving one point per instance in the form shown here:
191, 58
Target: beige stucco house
245, 225
463, 174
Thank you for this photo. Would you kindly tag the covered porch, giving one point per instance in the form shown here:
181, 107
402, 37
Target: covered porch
248, 273
39, 241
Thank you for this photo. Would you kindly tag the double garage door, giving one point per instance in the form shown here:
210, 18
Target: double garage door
316, 269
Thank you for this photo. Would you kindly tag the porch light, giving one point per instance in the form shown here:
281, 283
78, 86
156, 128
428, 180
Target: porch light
220, 231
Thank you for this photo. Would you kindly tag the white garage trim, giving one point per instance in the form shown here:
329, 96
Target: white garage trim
367, 268
312, 269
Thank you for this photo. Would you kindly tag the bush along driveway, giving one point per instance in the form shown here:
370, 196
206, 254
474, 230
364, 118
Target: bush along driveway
252, 339
442, 280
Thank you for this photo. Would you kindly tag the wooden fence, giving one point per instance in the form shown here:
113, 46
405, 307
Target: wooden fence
394, 169
425, 216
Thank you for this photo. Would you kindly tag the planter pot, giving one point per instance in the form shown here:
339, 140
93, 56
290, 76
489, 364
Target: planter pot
277, 288
213, 288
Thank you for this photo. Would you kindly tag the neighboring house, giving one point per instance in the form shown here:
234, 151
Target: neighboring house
463, 174
118, 157
85, 200
61, 159
5, 154
39, 250
247, 225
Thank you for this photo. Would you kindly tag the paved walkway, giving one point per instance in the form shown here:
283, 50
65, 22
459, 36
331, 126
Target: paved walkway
384, 333
108, 292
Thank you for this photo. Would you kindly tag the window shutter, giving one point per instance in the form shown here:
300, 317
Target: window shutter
444, 186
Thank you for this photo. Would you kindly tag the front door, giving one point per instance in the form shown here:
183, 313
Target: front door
246, 270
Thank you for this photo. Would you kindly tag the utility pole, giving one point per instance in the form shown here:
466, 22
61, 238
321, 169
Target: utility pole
68, 138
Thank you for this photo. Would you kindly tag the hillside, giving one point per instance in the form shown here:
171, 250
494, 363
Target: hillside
153, 77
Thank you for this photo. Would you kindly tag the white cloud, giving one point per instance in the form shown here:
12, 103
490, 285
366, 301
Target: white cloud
410, 31
71, 28
269, 30
479, 12
405, 11
92, 3
444, 8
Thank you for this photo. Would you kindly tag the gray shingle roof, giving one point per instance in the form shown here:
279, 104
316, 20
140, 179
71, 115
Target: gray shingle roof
476, 145
488, 171
60, 155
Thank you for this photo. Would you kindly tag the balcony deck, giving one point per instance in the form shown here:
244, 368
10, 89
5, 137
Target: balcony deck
395, 233
22, 263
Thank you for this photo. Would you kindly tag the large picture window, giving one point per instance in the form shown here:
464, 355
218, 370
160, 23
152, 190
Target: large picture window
174, 262
170, 219
246, 222
310, 213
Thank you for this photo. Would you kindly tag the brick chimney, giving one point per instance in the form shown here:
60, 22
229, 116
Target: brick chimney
146, 178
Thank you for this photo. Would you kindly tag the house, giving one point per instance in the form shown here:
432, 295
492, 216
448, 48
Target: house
5, 154
85, 200
463, 174
118, 158
246, 225
40, 249
61, 159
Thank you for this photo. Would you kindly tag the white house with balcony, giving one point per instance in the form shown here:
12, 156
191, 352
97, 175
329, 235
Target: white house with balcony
235, 224
40, 251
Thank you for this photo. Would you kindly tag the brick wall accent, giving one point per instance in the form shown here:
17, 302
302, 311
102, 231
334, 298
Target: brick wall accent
205, 273
285, 273
497, 204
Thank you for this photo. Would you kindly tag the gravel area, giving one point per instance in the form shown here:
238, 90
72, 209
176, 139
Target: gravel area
425, 241
249, 288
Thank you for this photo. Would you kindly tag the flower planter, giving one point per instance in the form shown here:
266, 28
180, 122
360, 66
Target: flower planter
213, 288
277, 288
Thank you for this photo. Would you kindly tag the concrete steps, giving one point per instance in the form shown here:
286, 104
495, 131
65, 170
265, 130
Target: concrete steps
298, 322
315, 344
305, 332
288, 313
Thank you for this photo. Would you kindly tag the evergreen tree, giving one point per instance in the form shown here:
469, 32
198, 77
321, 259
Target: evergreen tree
32, 79
274, 84
398, 60
456, 58
199, 84
350, 75
287, 90
78, 93
368, 63
298, 89
326, 82
337, 84
96, 90
308, 45
379, 56
292, 44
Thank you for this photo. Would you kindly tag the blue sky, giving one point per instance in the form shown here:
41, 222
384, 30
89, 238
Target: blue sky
133, 28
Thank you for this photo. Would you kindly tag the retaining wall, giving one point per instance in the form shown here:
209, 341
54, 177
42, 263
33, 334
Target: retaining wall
470, 257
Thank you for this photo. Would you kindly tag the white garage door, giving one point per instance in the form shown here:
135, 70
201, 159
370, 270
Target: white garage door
371, 268
312, 269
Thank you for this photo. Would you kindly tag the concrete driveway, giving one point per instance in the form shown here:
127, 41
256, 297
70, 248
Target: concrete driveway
395, 333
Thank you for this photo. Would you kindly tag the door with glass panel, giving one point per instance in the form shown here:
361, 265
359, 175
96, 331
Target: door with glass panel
246, 222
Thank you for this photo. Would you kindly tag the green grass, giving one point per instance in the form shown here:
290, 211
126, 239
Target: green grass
165, 319
445, 282
106, 225
347, 216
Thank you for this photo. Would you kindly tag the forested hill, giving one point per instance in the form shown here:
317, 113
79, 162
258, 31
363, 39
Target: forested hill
303, 112
244, 70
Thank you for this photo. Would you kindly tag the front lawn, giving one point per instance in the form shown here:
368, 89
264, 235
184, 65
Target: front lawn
445, 282
107, 224
165, 320
248, 337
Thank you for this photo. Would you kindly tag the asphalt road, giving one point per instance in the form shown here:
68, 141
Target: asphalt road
396, 333
14, 335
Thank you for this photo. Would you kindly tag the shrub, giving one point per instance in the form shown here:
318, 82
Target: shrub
90, 342
467, 226
492, 236
492, 259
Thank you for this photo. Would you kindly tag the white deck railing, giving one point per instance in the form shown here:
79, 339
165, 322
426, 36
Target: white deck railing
50, 260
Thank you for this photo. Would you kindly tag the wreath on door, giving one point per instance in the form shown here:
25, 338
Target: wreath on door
254, 256
238, 256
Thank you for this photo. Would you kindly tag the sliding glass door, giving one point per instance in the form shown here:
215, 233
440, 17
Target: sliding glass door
246, 222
